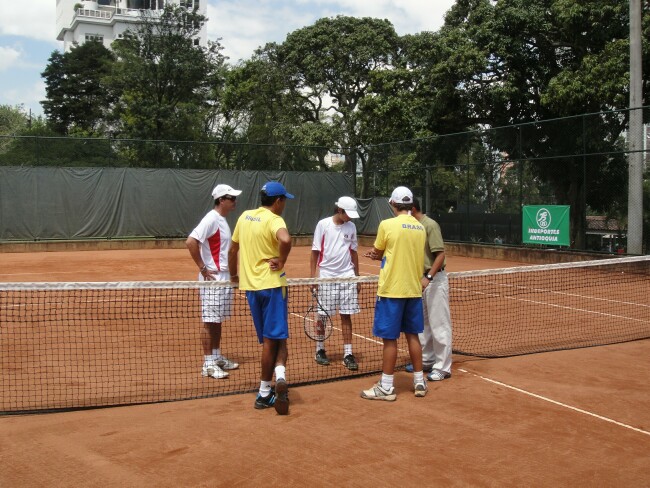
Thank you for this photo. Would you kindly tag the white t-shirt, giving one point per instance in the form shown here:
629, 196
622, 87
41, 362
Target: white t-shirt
334, 243
213, 233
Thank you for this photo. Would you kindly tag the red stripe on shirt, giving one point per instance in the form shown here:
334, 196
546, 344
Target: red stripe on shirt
215, 248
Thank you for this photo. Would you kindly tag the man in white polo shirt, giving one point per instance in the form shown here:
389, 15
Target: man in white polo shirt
208, 245
334, 254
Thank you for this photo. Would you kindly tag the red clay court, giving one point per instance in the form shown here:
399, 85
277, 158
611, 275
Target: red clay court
567, 418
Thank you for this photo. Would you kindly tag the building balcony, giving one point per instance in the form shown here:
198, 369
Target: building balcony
96, 14
112, 13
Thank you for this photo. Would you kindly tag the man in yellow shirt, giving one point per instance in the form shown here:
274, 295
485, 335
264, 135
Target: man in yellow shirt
400, 247
436, 339
262, 243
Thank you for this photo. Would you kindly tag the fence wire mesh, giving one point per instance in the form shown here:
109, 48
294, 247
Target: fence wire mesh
474, 183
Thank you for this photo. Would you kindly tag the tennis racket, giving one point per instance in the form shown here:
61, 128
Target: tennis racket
318, 324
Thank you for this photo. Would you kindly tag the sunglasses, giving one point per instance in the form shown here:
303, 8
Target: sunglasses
229, 197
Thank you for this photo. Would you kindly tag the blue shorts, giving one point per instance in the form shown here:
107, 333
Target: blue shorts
396, 315
270, 312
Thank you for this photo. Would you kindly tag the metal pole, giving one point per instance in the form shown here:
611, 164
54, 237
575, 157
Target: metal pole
427, 191
520, 161
467, 214
583, 212
635, 137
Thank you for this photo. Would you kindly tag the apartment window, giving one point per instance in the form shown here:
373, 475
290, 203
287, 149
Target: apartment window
95, 37
196, 42
189, 4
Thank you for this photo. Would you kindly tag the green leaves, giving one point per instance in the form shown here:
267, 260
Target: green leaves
166, 84
77, 95
352, 86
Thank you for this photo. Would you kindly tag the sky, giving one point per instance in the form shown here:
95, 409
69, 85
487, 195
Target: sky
28, 32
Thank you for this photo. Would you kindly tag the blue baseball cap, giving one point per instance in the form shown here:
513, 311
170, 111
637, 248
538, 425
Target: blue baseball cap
275, 189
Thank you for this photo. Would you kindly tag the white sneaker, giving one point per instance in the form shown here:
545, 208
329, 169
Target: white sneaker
420, 388
214, 371
226, 363
377, 392
438, 375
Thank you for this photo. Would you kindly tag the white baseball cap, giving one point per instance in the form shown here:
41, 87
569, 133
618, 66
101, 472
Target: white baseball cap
348, 204
401, 194
223, 190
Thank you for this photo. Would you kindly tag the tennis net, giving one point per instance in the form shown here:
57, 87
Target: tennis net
82, 345
531, 309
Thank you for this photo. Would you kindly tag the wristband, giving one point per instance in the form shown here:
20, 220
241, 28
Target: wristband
205, 267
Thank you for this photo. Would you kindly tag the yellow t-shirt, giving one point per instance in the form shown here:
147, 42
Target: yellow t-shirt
402, 239
256, 233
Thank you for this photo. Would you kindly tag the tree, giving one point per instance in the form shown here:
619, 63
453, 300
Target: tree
12, 121
437, 105
165, 82
267, 109
334, 61
77, 96
36, 144
545, 59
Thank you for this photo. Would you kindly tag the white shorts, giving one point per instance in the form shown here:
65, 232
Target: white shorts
216, 302
339, 296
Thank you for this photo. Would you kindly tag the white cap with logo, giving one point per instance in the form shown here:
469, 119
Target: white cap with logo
348, 204
401, 194
223, 190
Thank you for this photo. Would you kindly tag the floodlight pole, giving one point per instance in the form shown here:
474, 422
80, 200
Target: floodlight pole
635, 137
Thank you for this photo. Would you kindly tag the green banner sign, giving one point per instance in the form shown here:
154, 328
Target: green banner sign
546, 224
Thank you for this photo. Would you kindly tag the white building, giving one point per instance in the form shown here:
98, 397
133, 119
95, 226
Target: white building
78, 21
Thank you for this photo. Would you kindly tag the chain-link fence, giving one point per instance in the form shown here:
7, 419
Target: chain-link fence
132, 153
474, 183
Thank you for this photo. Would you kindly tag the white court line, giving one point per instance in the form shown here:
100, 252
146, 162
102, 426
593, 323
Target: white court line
548, 304
620, 424
39, 273
542, 290
370, 339
365, 338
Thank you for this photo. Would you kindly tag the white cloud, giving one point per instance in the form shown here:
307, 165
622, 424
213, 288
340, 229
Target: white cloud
9, 57
408, 16
29, 96
245, 25
36, 92
34, 19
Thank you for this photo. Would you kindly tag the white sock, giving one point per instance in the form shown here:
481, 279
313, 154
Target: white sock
208, 358
386, 381
279, 372
320, 345
418, 377
347, 349
265, 388
217, 353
